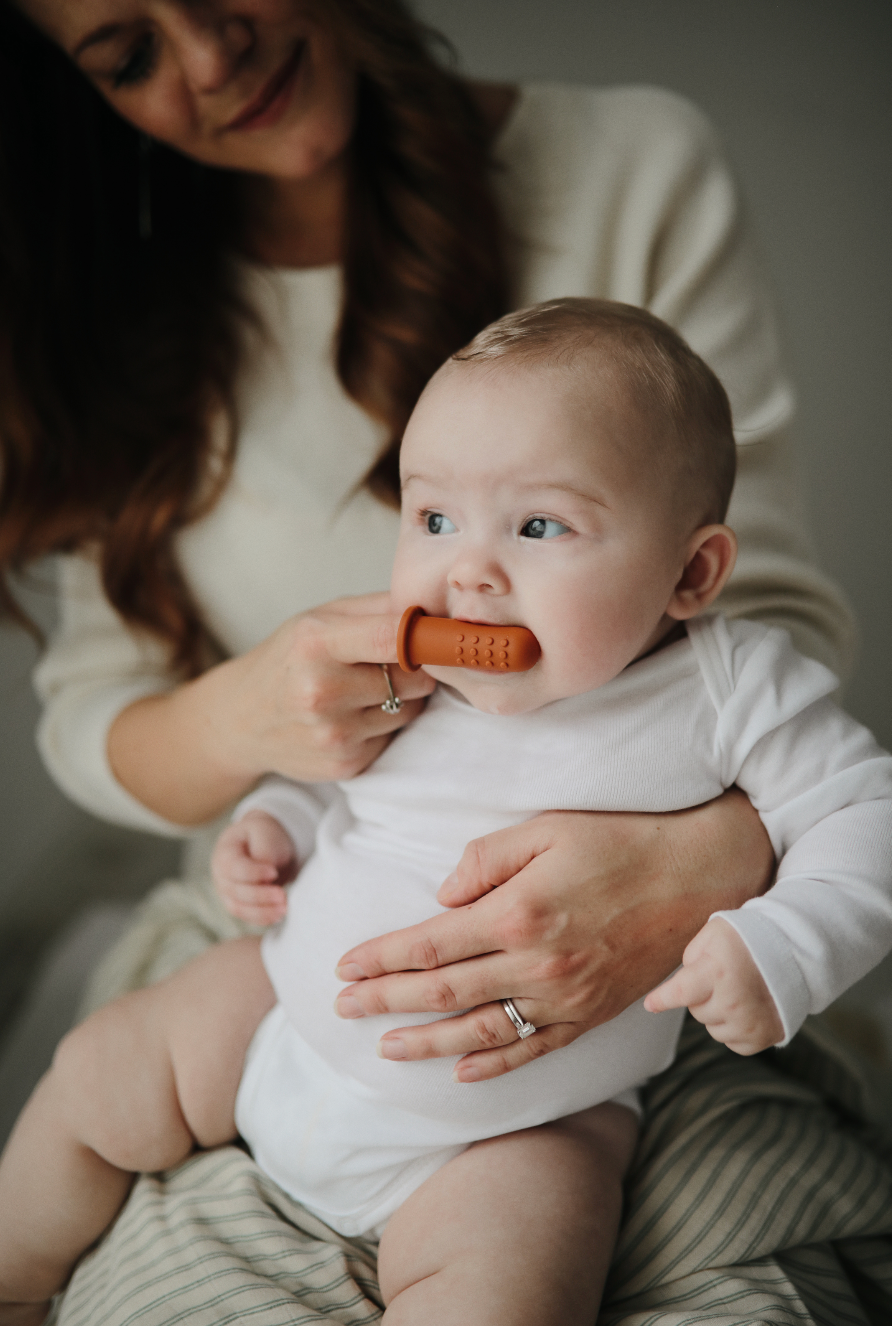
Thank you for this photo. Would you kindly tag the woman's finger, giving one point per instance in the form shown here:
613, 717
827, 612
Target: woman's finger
362, 605
341, 707
434, 943
492, 860
355, 637
446, 990
374, 722
485, 1028
493, 1063
365, 685
332, 691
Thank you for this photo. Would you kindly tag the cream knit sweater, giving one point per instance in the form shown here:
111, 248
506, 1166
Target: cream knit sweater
620, 193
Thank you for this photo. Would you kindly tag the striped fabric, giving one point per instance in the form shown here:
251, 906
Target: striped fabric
758, 1195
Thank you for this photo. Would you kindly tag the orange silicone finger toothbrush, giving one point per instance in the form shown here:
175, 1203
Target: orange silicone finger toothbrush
451, 643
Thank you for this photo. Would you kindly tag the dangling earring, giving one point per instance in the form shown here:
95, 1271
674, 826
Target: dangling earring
144, 213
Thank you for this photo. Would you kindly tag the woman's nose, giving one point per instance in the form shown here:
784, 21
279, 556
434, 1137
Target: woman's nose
210, 45
476, 572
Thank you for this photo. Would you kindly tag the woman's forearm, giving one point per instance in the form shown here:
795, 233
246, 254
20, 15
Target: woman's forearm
719, 854
166, 752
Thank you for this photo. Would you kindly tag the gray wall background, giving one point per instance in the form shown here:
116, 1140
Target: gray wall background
800, 91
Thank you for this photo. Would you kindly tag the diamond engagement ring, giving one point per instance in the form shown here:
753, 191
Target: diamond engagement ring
393, 704
524, 1029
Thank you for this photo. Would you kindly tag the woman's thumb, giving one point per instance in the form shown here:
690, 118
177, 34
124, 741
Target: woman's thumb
490, 861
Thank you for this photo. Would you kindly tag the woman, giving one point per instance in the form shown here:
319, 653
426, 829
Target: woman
285, 177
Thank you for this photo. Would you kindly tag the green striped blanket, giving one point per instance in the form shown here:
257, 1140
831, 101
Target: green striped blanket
759, 1194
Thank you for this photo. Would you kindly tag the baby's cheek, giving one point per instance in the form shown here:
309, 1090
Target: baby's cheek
413, 575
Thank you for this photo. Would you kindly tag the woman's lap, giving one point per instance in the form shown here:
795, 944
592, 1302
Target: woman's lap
758, 1194
752, 1199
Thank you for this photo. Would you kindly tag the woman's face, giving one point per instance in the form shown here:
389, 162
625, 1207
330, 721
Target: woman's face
253, 85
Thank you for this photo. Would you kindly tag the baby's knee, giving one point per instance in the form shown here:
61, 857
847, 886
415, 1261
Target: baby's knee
72, 1074
115, 1098
608, 1132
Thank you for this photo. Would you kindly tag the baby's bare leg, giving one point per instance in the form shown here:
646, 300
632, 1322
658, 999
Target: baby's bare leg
516, 1230
132, 1089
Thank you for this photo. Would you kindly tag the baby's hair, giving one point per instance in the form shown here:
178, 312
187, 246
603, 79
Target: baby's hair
666, 378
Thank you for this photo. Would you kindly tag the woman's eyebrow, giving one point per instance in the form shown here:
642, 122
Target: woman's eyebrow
97, 36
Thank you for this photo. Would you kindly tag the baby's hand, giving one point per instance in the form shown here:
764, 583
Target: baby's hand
251, 862
724, 990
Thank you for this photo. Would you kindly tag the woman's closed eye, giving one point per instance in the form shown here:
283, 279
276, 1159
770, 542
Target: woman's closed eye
540, 527
138, 64
437, 523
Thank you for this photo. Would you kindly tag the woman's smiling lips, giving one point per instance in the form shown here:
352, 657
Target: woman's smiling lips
268, 106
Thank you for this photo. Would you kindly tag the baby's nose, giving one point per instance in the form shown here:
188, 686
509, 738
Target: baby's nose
475, 572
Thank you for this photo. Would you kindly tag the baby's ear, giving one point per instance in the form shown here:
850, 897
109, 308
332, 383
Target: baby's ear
709, 560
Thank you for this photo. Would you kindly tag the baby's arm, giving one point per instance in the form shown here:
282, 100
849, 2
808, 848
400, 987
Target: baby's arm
823, 789
252, 862
272, 835
722, 986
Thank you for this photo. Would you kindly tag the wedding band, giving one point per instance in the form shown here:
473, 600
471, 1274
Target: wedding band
524, 1029
393, 704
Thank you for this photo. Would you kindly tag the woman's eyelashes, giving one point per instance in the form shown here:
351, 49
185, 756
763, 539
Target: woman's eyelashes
436, 523
138, 64
540, 527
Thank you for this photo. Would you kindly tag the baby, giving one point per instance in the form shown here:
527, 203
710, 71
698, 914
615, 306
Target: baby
569, 472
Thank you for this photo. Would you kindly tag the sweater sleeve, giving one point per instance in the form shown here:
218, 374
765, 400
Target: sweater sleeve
94, 667
823, 788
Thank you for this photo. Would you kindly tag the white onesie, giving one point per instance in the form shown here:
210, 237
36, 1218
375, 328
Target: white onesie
351, 1135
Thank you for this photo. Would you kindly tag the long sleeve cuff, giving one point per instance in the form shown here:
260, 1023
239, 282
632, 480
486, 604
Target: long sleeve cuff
770, 951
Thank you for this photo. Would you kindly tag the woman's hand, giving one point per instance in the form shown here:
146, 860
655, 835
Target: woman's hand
572, 915
306, 703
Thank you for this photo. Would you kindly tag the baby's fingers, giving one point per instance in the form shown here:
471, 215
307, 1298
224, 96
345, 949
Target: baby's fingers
688, 988
259, 904
268, 842
245, 870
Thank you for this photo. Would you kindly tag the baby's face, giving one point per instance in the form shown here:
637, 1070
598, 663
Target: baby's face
525, 504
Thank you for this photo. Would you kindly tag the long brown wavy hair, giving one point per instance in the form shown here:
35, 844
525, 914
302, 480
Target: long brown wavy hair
120, 348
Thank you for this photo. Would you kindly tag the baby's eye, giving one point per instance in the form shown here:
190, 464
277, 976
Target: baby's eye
437, 523
538, 527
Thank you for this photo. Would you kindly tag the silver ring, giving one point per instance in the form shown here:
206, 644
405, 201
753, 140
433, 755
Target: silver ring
524, 1029
393, 704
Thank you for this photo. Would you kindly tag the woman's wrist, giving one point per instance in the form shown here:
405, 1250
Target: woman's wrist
721, 853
